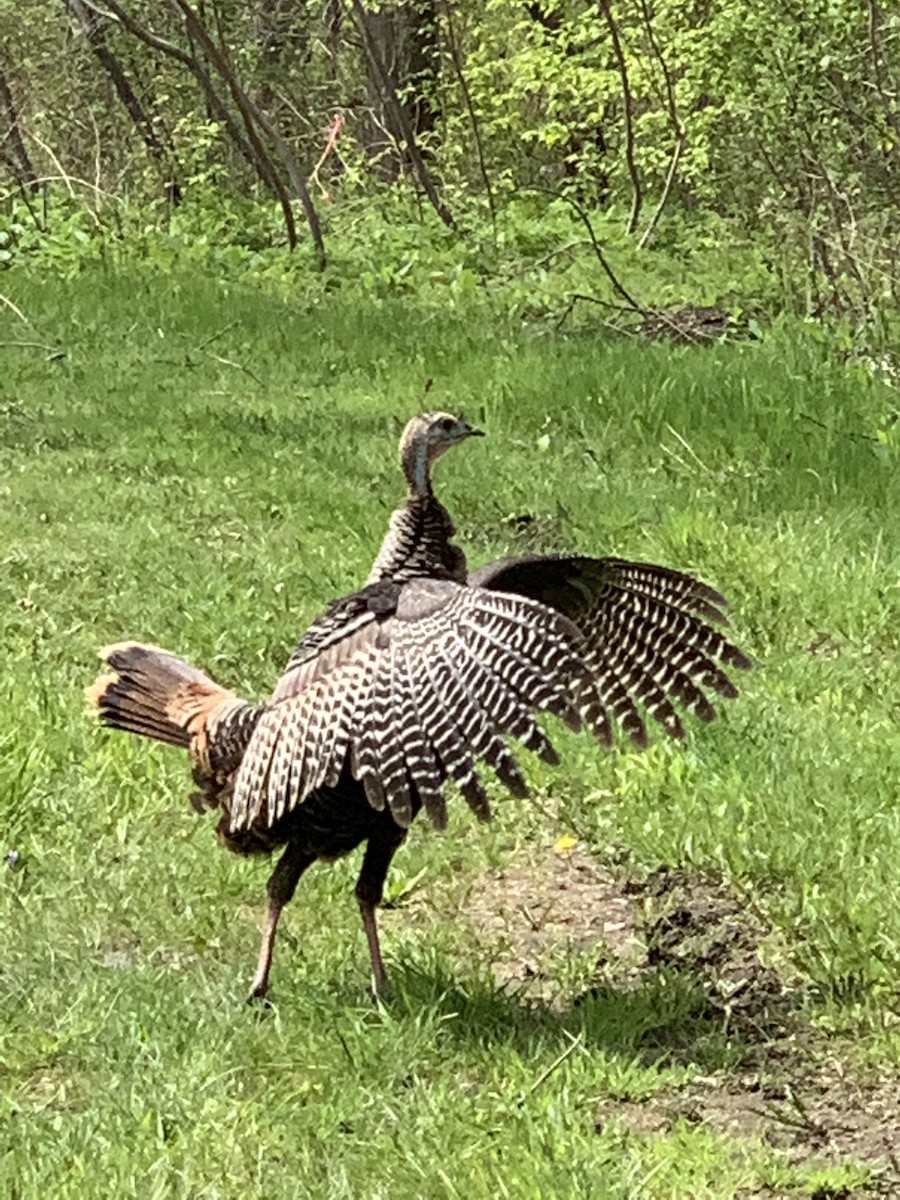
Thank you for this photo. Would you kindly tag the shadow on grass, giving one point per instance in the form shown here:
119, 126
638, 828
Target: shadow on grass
667, 1018
691, 989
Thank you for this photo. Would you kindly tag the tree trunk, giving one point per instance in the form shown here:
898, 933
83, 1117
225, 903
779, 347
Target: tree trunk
12, 146
405, 36
395, 106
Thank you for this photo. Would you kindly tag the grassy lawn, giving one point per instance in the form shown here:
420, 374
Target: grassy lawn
671, 974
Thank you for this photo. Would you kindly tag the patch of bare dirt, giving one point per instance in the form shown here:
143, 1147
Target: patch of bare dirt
787, 1088
823, 1117
695, 925
532, 916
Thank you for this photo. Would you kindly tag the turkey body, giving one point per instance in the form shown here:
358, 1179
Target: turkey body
331, 822
417, 679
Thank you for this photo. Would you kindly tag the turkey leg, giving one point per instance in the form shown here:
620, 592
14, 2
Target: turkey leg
281, 887
380, 849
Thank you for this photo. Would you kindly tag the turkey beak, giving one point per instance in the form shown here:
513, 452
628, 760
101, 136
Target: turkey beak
471, 431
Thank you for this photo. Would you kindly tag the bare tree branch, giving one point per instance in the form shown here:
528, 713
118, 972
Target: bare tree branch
677, 124
163, 156
250, 145
455, 58
655, 46
597, 248
628, 104
287, 157
17, 156
217, 107
198, 30
667, 187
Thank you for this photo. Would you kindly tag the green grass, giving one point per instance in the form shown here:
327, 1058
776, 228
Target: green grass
203, 466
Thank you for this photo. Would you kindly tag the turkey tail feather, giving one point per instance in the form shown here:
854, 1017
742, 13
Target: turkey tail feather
154, 694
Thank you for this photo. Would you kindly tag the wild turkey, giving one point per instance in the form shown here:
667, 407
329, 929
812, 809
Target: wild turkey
415, 678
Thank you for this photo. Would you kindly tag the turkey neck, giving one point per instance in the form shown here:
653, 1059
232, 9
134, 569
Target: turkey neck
418, 541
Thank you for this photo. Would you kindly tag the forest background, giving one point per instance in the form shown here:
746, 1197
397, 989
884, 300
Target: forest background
722, 155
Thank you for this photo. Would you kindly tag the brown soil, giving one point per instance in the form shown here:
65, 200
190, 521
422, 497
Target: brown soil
785, 1087
534, 915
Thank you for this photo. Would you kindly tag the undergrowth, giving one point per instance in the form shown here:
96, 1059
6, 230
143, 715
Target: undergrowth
527, 261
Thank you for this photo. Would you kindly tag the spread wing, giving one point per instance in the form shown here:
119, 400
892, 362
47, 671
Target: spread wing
416, 691
650, 631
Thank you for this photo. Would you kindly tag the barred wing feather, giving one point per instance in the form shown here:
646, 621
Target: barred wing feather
417, 696
650, 631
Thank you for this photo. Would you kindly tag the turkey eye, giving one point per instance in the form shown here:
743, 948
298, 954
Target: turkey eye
447, 424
